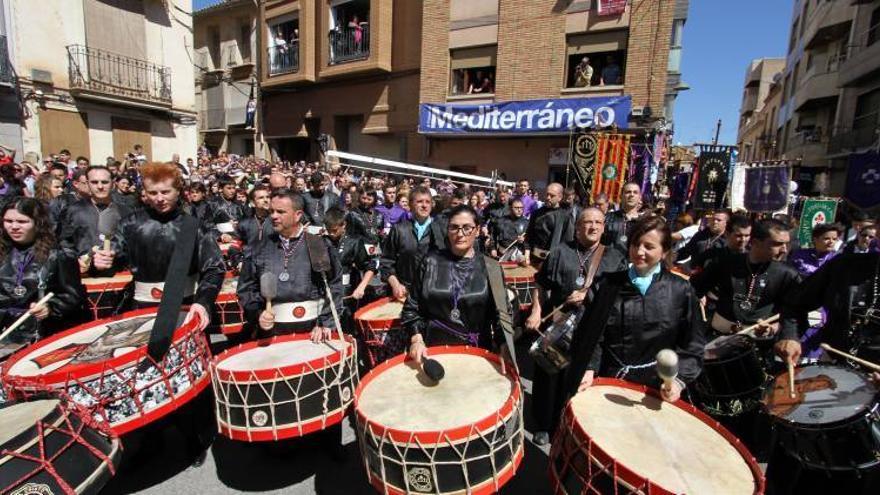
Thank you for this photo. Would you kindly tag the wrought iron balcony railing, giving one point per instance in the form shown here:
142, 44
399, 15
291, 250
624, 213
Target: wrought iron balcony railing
845, 139
284, 58
105, 72
7, 75
348, 43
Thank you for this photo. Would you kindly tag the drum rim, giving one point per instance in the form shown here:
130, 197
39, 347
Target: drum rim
376, 324
627, 475
434, 436
289, 371
110, 284
65, 374
817, 426
511, 279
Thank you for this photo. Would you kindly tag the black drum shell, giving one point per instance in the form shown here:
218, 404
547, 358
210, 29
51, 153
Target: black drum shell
738, 373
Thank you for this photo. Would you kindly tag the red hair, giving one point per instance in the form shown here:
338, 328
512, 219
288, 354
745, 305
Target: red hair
158, 172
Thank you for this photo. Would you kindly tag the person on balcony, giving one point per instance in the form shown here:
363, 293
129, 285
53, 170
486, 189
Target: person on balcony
583, 73
357, 28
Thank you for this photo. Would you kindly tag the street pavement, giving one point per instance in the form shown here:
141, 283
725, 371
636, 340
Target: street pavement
302, 466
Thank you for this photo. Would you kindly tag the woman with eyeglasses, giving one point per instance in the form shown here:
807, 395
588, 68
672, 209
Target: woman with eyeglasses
31, 266
450, 301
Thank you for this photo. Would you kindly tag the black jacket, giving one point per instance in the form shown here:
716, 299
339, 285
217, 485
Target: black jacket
402, 252
548, 225
506, 229
560, 271
354, 259
251, 229
79, 229
365, 224
702, 241
316, 205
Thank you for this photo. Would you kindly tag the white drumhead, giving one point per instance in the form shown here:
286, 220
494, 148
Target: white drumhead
472, 389
90, 345
388, 311
281, 354
661, 442
23, 415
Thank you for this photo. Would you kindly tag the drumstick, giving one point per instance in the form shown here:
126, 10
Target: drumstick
791, 379
106, 241
27, 314
749, 328
552, 313
866, 364
703, 310
508, 247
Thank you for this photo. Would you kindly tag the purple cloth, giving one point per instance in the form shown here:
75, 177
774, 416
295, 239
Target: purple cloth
529, 204
807, 261
391, 215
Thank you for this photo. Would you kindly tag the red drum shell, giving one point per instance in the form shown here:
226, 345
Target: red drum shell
97, 289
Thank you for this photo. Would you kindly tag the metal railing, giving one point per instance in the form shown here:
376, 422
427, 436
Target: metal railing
284, 58
865, 39
852, 139
7, 74
347, 44
101, 71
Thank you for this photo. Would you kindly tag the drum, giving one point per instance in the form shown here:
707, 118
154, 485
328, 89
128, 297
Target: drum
379, 325
106, 294
461, 435
832, 423
50, 445
284, 387
620, 437
522, 280
104, 366
229, 315
552, 351
732, 368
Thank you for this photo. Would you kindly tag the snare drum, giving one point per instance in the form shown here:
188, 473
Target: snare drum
106, 294
104, 366
732, 368
229, 315
461, 435
832, 423
48, 445
552, 351
379, 325
619, 437
282, 388
522, 280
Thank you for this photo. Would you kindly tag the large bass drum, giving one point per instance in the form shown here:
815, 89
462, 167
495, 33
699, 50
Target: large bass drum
461, 435
104, 366
622, 438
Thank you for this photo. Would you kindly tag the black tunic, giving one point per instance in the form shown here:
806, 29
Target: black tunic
548, 225
145, 241
730, 277
365, 224
303, 283
316, 205
253, 229
617, 228
702, 241
402, 252
79, 229
223, 210
354, 260
506, 230
58, 274
430, 302
559, 273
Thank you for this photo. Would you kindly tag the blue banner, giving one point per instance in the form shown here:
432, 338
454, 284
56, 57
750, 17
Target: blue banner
863, 179
525, 117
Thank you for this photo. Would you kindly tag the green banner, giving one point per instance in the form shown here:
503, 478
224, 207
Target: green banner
815, 211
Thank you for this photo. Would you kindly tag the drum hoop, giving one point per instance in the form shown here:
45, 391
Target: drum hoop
65, 374
111, 284
627, 475
512, 279
435, 436
271, 374
376, 325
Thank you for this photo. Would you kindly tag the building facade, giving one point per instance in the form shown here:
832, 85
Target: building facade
762, 76
97, 77
344, 69
225, 54
491, 52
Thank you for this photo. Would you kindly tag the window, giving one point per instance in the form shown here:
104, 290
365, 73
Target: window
244, 40
874, 28
596, 59
349, 36
473, 70
867, 111
283, 44
675, 46
214, 45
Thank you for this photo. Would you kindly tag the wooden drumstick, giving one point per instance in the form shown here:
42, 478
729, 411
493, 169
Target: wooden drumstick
866, 364
106, 240
27, 314
553, 313
792, 393
749, 328
703, 310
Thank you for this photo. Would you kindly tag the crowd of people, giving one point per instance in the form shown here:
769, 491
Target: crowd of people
629, 281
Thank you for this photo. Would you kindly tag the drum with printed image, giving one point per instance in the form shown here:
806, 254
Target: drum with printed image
228, 314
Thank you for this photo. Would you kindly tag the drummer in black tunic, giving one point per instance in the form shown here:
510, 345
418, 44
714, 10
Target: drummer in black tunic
737, 235
358, 266
226, 212
451, 301
364, 221
634, 314
548, 226
300, 305
618, 222
565, 274
254, 228
31, 267
145, 241
508, 233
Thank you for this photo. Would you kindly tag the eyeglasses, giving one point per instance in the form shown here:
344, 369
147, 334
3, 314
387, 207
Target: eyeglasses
461, 229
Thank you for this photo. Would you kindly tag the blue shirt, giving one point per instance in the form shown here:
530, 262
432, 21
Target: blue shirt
422, 228
643, 283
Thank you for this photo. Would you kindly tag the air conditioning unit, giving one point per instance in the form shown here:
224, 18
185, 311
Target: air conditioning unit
41, 76
638, 111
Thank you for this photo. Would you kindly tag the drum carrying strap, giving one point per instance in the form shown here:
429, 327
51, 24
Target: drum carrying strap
320, 261
594, 264
176, 279
499, 294
588, 334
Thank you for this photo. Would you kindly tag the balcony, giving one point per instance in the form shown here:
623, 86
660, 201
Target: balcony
815, 90
864, 57
284, 59
349, 44
95, 72
846, 140
7, 74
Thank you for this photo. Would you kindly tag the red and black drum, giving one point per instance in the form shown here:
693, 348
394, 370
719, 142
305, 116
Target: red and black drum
622, 438
106, 294
732, 369
50, 445
463, 434
283, 387
104, 366
229, 315
520, 279
379, 325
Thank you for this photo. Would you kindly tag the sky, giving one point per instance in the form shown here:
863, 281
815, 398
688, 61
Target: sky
720, 39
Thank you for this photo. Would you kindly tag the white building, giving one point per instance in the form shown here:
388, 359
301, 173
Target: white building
99, 76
